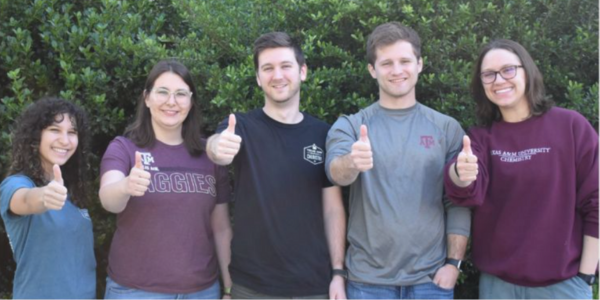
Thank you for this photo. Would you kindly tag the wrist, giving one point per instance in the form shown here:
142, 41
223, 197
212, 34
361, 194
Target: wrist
227, 291
340, 273
454, 262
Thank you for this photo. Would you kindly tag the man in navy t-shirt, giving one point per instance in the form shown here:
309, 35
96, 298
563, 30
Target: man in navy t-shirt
289, 233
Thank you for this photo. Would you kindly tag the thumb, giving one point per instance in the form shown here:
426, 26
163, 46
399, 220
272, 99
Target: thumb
364, 134
231, 127
138, 160
467, 145
57, 174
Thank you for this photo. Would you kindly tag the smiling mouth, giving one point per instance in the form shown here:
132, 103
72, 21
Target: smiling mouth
503, 91
60, 150
170, 112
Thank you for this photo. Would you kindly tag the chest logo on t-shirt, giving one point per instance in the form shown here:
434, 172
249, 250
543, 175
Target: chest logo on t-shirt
147, 160
314, 155
519, 156
427, 141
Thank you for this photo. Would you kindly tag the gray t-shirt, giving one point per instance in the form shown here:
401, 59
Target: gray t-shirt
398, 220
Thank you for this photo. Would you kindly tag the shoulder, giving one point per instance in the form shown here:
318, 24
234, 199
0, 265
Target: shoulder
313, 121
353, 121
441, 120
19, 180
562, 114
435, 115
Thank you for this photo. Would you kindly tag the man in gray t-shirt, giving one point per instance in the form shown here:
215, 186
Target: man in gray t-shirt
406, 241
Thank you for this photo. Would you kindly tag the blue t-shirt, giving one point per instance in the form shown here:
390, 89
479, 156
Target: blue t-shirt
54, 250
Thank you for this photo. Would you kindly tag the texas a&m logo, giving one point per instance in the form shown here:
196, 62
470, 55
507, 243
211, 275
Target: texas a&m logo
427, 141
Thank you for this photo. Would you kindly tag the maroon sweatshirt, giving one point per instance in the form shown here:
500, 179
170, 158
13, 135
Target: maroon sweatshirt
535, 197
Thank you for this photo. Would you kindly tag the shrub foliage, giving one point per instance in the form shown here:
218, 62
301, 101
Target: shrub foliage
98, 53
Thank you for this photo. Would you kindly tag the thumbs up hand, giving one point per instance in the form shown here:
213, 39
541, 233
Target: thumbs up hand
228, 144
466, 163
138, 179
361, 154
54, 195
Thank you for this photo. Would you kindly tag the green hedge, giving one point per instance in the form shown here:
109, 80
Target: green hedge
98, 53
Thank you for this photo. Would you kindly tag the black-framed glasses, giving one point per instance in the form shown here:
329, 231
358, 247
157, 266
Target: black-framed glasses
508, 72
164, 95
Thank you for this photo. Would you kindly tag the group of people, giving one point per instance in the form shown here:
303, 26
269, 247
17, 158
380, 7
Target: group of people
526, 178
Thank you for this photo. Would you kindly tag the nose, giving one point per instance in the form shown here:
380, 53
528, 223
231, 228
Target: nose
499, 79
278, 73
171, 100
397, 68
64, 138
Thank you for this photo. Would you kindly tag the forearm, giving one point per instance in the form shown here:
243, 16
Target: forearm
222, 232
457, 245
31, 202
341, 170
335, 225
589, 255
223, 248
114, 197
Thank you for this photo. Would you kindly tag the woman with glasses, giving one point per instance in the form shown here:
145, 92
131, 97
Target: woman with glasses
42, 203
173, 231
530, 171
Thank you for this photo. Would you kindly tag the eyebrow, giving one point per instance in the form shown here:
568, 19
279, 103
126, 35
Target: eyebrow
502, 67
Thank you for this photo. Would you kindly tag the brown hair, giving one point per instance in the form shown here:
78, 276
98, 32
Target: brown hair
276, 40
389, 33
488, 112
141, 132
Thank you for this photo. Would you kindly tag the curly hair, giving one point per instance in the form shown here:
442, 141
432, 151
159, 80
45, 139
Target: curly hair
26, 145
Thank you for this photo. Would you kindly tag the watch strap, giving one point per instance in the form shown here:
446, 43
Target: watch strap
340, 272
589, 279
455, 262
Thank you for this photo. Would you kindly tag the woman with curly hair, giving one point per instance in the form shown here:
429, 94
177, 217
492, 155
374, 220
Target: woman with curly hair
42, 203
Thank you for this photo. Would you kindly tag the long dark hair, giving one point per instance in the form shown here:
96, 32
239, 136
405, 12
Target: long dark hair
26, 145
141, 132
488, 112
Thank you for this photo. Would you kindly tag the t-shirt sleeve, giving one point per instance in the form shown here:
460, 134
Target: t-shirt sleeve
223, 185
116, 157
340, 138
586, 160
7, 189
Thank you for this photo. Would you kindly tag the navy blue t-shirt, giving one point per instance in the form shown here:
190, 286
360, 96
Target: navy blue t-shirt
279, 246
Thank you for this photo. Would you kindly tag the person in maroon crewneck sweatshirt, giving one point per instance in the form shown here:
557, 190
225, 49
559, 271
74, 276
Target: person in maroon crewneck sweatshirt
530, 172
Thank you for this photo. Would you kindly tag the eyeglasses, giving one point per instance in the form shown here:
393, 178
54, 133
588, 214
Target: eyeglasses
163, 95
506, 73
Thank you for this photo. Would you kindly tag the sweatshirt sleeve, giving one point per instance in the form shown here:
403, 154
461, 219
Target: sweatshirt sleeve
474, 194
586, 165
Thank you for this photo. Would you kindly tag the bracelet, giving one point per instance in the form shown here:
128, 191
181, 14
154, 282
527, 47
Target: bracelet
227, 291
456, 169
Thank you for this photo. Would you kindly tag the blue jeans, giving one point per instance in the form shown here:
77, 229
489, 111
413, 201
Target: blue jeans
117, 291
492, 287
428, 290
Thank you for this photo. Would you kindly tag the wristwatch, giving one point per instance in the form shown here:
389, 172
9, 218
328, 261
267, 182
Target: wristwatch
589, 279
454, 262
341, 272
